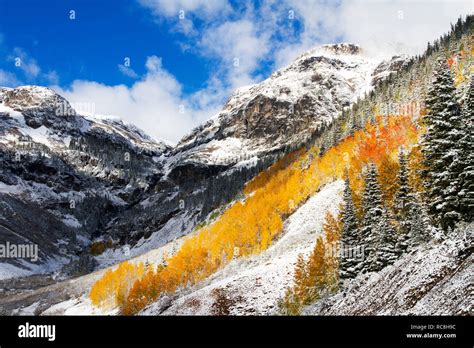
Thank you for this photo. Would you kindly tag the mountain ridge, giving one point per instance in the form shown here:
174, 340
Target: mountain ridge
247, 139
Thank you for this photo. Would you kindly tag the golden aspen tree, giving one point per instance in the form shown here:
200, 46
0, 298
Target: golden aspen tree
300, 278
332, 231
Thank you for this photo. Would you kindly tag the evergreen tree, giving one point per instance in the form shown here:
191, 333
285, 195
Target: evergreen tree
413, 220
402, 203
441, 148
372, 210
385, 251
401, 197
378, 235
349, 265
466, 193
418, 221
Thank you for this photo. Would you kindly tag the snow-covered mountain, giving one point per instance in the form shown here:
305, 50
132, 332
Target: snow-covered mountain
257, 125
287, 108
128, 189
64, 175
93, 191
99, 178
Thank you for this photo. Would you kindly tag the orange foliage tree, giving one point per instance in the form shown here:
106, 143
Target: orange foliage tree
113, 287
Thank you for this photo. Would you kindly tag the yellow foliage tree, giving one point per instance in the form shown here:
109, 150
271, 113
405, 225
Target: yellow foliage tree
112, 289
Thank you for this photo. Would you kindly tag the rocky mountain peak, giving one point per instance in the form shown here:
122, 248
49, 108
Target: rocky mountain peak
343, 48
40, 106
34, 97
334, 51
286, 108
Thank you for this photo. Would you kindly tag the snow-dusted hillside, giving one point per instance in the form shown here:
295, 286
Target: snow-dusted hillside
258, 282
435, 279
431, 280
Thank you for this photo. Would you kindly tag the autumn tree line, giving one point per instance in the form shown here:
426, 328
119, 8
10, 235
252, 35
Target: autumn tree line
250, 225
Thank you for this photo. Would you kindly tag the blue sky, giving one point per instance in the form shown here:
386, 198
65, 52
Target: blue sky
90, 47
182, 53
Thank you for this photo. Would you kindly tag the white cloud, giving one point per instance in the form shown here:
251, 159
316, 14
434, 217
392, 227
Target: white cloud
127, 71
27, 70
379, 26
25, 63
155, 103
8, 79
320, 25
200, 8
399, 26
239, 47
181, 13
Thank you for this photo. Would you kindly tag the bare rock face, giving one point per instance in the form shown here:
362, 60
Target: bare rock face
286, 108
40, 106
32, 97
3, 92
343, 48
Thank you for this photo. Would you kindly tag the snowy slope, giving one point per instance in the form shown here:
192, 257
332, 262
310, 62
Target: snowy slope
71, 297
435, 279
259, 281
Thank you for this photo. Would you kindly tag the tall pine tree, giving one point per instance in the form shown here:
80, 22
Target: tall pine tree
402, 203
372, 210
441, 149
349, 264
413, 220
466, 193
403, 191
379, 237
